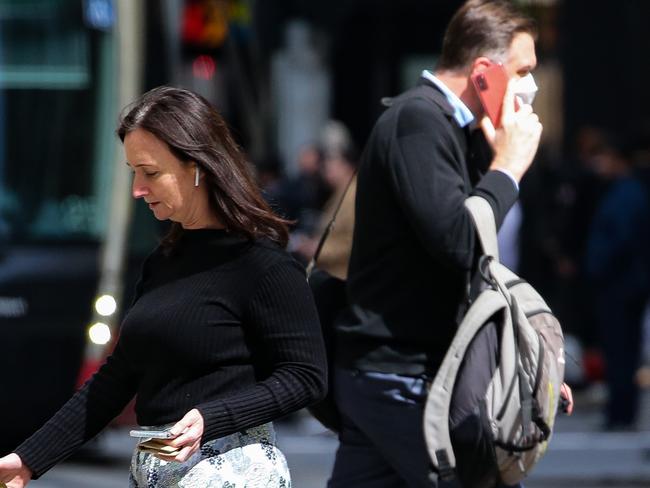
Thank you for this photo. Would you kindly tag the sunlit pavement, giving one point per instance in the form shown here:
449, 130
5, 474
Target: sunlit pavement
579, 456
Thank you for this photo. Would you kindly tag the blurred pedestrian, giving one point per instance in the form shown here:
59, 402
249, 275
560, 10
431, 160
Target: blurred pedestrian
222, 337
301, 198
618, 267
414, 244
339, 169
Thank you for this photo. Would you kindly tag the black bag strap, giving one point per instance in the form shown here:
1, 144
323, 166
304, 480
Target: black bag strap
330, 226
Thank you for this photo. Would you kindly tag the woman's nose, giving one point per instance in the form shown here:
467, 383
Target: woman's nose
138, 190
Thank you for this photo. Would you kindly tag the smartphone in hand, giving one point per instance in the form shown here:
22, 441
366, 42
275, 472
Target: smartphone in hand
490, 85
152, 434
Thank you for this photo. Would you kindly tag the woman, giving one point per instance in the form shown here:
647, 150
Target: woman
222, 337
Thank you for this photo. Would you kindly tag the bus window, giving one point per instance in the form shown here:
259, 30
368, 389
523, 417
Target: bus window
51, 184
57, 118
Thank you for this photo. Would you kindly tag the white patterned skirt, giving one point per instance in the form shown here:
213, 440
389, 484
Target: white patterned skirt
247, 459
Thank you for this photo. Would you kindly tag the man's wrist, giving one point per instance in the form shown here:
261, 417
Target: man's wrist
509, 174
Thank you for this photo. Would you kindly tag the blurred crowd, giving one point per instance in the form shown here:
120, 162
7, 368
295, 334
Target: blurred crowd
326, 169
580, 234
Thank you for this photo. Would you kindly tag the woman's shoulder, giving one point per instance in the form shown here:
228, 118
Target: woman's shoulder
222, 251
268, 254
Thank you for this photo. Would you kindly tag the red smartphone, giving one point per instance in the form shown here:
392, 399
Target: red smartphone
490, 85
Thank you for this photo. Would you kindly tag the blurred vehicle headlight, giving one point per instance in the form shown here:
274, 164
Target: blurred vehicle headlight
105, 305
99, 333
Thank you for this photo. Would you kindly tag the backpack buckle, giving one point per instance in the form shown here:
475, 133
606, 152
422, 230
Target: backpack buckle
445, 471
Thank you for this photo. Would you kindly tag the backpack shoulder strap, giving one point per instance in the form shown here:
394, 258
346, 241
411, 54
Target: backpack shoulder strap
436, 411
486, 227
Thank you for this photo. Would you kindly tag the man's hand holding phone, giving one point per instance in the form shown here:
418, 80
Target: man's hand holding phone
516, 141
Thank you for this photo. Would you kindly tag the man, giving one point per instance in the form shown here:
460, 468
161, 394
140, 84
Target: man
414, 243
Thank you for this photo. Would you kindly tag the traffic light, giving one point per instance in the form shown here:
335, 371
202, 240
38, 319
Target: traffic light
205, 25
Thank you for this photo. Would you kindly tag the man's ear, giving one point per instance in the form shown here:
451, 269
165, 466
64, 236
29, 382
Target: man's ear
479, 65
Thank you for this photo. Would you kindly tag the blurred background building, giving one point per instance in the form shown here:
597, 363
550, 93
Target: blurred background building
280, 71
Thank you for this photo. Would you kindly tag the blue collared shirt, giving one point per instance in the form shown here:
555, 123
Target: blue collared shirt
462, 114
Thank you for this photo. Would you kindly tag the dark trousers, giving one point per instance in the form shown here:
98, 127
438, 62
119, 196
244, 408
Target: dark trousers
381, 440
621, 328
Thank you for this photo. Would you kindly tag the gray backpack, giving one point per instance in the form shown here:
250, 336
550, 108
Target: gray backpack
490, 410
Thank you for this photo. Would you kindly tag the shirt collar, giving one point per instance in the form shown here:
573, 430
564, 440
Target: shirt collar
462, 114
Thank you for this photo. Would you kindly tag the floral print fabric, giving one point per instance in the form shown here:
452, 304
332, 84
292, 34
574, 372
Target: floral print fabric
247, 459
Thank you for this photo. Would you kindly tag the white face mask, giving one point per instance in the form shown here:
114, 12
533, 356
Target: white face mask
526, 89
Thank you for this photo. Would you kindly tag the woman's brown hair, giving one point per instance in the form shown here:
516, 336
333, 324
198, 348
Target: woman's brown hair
195, 132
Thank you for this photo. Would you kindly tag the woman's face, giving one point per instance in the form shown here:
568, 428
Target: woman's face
165, 183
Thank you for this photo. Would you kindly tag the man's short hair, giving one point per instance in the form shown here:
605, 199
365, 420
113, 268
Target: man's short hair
482, 28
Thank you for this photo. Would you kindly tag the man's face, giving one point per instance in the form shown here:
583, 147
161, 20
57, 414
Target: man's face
521, 56
520, 60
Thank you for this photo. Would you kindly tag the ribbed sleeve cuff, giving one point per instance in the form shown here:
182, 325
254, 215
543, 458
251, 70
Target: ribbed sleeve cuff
37, 451
217, 420
37, 469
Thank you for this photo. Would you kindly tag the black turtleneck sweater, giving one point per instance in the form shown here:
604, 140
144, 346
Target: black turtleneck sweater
220, 324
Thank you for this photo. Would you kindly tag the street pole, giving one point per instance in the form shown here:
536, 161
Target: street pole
130, 27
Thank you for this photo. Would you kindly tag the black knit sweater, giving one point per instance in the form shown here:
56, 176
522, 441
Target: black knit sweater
221, 324
414, 243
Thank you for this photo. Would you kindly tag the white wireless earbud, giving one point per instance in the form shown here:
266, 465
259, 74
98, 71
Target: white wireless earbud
196, 176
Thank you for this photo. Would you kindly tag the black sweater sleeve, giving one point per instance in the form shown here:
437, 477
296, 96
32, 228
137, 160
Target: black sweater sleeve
427, 176
284, 323
100, 400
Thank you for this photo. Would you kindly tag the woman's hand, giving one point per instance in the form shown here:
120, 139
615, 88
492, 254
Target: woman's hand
13, 472
189, 430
